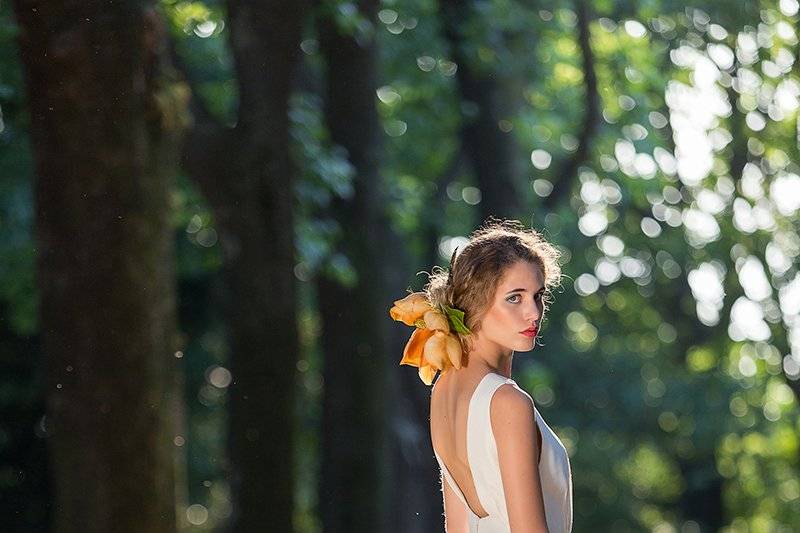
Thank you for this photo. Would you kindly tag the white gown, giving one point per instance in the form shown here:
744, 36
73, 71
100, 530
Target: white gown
554, 467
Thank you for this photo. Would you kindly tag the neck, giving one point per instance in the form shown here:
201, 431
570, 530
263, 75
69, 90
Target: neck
494, 358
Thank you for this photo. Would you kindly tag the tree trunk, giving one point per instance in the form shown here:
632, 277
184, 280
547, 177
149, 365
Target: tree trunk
103, 132
701, 500
248, 178
361, 349
491, 150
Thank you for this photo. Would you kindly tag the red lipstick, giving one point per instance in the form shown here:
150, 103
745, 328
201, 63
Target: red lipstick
530, 332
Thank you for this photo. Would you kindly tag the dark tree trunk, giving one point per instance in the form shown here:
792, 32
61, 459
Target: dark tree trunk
104, 135
25, 505
491, 150
361, 348
248, 177
701, 501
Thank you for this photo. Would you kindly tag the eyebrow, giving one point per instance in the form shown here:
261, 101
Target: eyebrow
522, 290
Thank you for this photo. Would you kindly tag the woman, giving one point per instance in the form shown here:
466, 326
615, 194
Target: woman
503, 469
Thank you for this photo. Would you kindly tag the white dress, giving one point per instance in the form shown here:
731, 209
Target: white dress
554, 467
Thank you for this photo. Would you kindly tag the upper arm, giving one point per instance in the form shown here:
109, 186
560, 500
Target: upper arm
513, 423
455, 515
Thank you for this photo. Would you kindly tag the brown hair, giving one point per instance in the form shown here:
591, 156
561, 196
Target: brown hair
475, 272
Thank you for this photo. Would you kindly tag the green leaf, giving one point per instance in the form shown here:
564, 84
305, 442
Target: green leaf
456, 318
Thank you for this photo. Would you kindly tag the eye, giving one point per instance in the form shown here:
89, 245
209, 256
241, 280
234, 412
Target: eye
538, 295
513, 296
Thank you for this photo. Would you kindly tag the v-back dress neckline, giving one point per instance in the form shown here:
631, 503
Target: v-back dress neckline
450, 479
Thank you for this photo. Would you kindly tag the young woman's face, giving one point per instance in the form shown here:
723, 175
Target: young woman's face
513, 318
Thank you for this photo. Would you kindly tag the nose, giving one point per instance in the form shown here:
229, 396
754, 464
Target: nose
532, 312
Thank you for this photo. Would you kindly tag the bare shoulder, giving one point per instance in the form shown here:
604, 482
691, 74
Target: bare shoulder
512, 419
511, 412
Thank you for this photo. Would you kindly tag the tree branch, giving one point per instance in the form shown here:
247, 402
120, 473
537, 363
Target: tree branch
565, 177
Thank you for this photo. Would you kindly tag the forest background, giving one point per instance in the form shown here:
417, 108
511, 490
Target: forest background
207, 209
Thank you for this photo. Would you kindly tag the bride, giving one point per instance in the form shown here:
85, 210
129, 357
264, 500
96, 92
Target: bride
503, 469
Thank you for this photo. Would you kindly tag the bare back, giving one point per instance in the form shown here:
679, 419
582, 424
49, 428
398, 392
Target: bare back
450, 400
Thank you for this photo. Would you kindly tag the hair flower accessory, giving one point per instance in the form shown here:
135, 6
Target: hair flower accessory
433, 345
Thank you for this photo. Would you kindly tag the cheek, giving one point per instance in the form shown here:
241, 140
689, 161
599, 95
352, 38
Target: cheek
498, 318
489, 321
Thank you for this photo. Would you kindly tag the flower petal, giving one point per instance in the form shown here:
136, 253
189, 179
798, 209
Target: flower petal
412, 354
427, 373
436, 320
410, 308
435, 351
454, 350
398, 314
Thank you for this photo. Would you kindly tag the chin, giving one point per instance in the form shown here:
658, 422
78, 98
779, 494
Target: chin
525, 346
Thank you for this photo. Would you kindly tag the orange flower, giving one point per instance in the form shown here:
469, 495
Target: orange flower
432, 346
411, 308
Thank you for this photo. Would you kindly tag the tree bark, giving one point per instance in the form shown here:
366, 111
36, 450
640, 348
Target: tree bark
104, 135
247, 176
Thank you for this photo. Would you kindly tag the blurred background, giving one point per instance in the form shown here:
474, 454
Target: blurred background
208, 207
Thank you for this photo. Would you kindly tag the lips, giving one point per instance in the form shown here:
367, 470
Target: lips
531, 332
